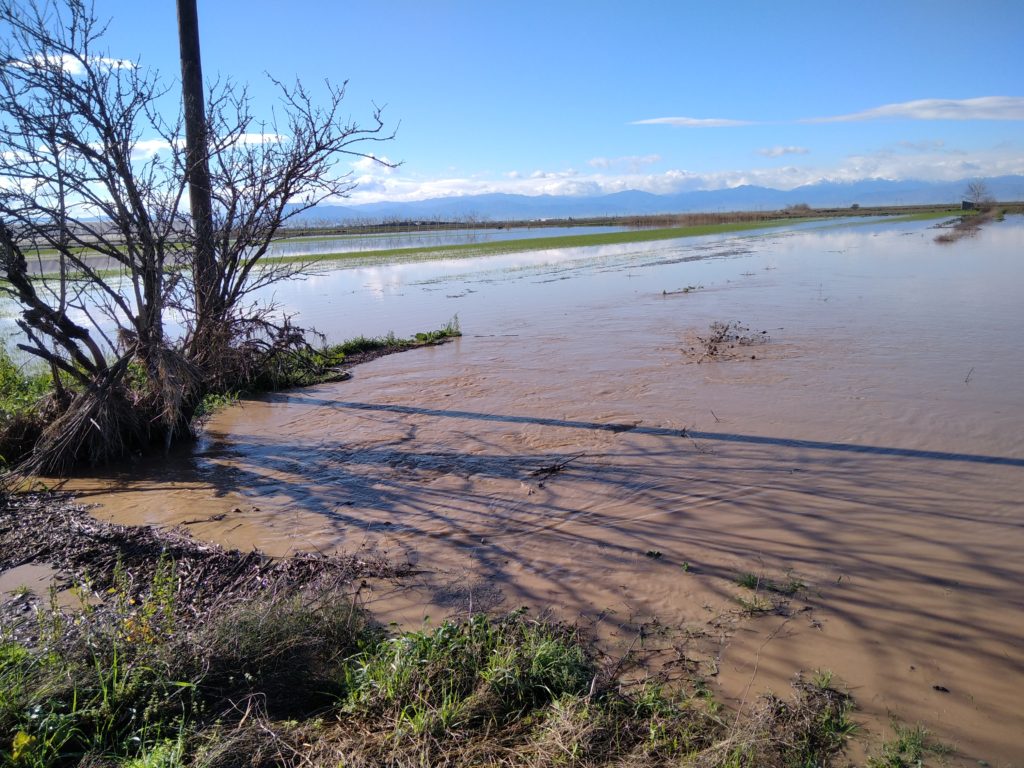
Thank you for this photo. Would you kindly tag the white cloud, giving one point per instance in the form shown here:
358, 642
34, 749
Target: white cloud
568, 173
373, 164
149, 147
73, 65
16, 156
780, 151
942, 164
693, 122
928, 166
114, 63
567, 182
981, 108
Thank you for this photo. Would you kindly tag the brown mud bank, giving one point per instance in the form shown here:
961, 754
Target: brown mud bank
48, 541
861, 472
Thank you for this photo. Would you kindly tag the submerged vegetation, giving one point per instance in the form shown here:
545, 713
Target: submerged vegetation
152, 666
639, 229
363, 228
547, 243
969, 224
315, 365
908, 748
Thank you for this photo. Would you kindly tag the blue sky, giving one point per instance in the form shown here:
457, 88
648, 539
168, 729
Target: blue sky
595, 97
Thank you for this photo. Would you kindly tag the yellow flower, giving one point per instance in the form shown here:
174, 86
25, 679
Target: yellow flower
21, 743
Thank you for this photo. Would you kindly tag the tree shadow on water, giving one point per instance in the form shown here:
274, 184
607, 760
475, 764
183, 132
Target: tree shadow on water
918, 547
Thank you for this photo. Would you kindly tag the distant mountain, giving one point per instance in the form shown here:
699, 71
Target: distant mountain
826, 194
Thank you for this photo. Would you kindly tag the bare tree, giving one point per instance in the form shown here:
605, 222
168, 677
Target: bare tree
978, 193
92, 179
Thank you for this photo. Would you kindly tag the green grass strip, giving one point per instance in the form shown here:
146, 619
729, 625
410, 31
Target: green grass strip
923, 216
465, 250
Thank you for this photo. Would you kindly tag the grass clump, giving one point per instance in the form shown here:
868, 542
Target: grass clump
214, 402
788, 587
907, 748
968, 224
389, 342
767, 594
20, 390
654, 726
468, 673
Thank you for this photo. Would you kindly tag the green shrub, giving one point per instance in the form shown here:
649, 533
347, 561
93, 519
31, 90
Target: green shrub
20, 390
21, 418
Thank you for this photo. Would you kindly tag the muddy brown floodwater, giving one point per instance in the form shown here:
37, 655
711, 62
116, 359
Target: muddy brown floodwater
572, 453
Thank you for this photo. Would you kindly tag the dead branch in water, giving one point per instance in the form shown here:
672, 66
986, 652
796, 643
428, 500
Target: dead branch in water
723, 339
554, 468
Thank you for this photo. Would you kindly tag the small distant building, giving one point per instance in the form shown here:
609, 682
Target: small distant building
968, 205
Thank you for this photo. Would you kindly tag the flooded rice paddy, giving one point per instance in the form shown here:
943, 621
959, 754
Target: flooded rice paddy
578, 451
428, 238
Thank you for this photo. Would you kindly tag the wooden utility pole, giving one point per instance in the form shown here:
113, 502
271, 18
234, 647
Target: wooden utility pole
197, 158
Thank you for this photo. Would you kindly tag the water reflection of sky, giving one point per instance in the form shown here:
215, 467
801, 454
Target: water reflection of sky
491, 293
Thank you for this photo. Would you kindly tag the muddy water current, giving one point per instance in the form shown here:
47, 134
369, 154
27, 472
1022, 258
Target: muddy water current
581, 450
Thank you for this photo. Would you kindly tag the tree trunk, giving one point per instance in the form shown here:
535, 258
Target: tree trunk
197, 160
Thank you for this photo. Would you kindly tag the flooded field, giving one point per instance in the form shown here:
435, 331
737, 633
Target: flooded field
859, 459
45, 262
319, 245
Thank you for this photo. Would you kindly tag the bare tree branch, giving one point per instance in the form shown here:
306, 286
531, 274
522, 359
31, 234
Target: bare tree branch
92, 177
